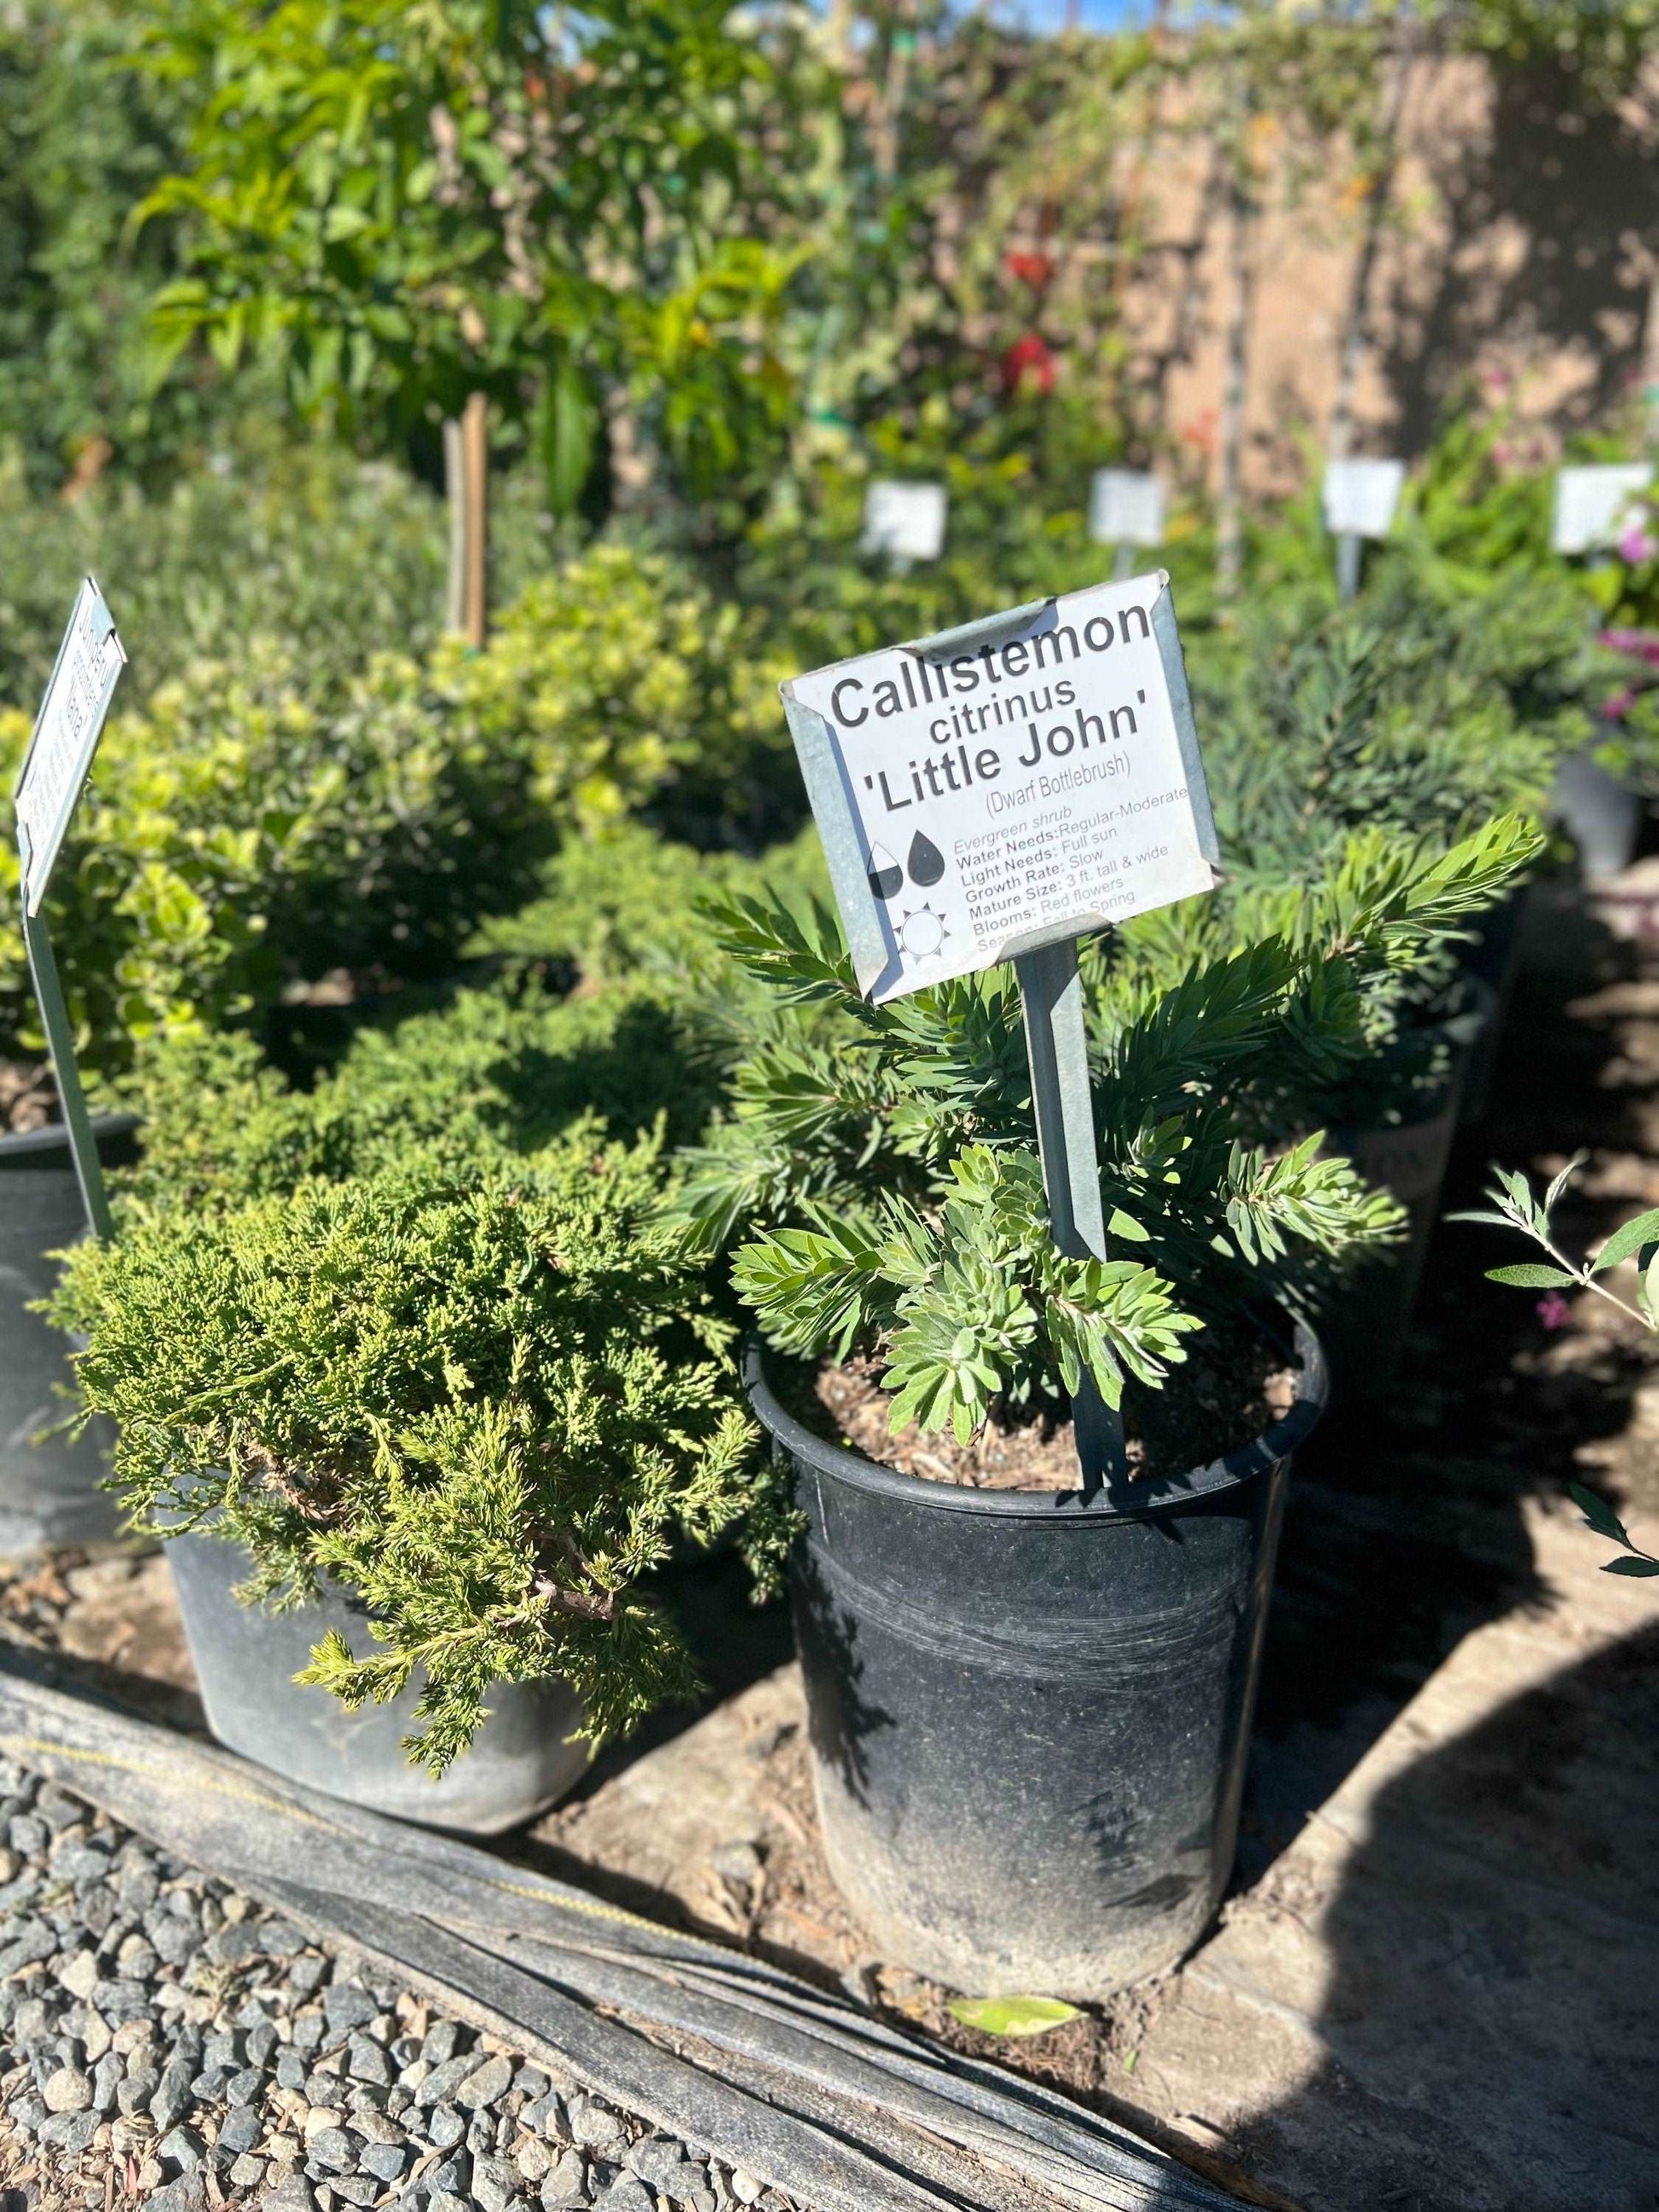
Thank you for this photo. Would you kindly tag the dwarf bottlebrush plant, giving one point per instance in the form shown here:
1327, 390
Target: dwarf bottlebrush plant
881, 1159
484, 1397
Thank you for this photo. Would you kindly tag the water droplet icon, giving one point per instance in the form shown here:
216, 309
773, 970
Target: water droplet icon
885, 874
926, 861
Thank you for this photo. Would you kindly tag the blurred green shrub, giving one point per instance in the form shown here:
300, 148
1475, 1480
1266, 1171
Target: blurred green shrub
265, 822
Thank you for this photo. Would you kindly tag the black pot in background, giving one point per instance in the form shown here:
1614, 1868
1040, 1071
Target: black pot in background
49, 1490
245, 1659
1365, 1334
1029, 1715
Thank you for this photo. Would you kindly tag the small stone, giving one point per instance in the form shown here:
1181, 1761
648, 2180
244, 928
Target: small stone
137, 1959
28, 1837
290, 2070
625, 2194
354, 2188
534, 2159
449, 2173
246, 2172
346, 2005
67, 2090
186, 2194
242, 2129
330, 2148
445, 2127
261, 2043
373, 2127
745, 2187
547, 2117
491, 2079
531, 2082
441, 2084
664, 2165
71, 2131
446, 2200
367, 2061
592, 2124
244, 2088
481, 2133
496, 2184
181, 2147
439, 2043
107, 2076
291, 2194
95, 2036
565, 2185
35, 1942
305, 1977
385, 2160
319, 2117
173, 2095
80, 1975
135, 2092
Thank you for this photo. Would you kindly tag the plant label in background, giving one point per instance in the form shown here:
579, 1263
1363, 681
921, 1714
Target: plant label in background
1000, 787
1593, 506
1360, 497
1126, 508
66, 733
905, 521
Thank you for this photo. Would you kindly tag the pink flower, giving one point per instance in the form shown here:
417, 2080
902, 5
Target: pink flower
1553, 1310
1636, 546
1615, 708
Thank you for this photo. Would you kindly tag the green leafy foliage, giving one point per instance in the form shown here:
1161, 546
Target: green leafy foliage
1012, 2016
483, 1396
402, 205
1514, 1206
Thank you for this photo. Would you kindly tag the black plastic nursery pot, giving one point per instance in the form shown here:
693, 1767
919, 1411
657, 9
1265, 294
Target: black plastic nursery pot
1029, 1712
1366, 1336
246, 1657
49, 1492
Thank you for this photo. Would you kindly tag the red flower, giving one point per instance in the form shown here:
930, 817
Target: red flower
1033, 268
1028, 365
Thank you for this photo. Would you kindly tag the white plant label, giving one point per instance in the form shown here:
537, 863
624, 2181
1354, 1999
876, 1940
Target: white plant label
66, 733
906, 521
1024, 779
1593, 506
1126, 508
1360, 497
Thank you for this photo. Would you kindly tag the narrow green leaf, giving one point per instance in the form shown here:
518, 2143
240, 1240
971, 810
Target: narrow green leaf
1012, 2015
1625, 1243
1597, 1513
1643, 1567
1120, 1225
1530, 1277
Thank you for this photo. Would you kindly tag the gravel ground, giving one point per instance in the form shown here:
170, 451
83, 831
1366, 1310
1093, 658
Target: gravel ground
167, 2043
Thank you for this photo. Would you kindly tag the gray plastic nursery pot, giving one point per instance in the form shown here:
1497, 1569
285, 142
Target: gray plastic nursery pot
1602, 817
246, 1658
1029, 1712
49, 1482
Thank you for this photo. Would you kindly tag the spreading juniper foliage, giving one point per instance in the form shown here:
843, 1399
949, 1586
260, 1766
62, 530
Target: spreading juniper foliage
484, 1397
882, 1160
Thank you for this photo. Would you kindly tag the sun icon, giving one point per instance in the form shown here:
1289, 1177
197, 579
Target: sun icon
921, 932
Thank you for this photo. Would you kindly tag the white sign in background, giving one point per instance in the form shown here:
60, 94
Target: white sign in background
66, 733
1360, 497
977, 801
906, 521
1126, 508
1593, 506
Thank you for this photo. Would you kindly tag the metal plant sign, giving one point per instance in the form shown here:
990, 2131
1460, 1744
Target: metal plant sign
60, 751
994, 792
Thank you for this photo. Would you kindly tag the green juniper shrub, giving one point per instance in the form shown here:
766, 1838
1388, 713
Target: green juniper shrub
878, 1163
484, 1397
485, 1079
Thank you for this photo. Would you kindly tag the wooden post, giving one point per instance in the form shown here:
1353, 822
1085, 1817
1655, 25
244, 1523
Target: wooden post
475, 483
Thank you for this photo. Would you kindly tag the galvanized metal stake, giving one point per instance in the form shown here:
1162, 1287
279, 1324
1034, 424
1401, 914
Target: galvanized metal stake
1123, 564
1349, 553
1051, 990
60, 1040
